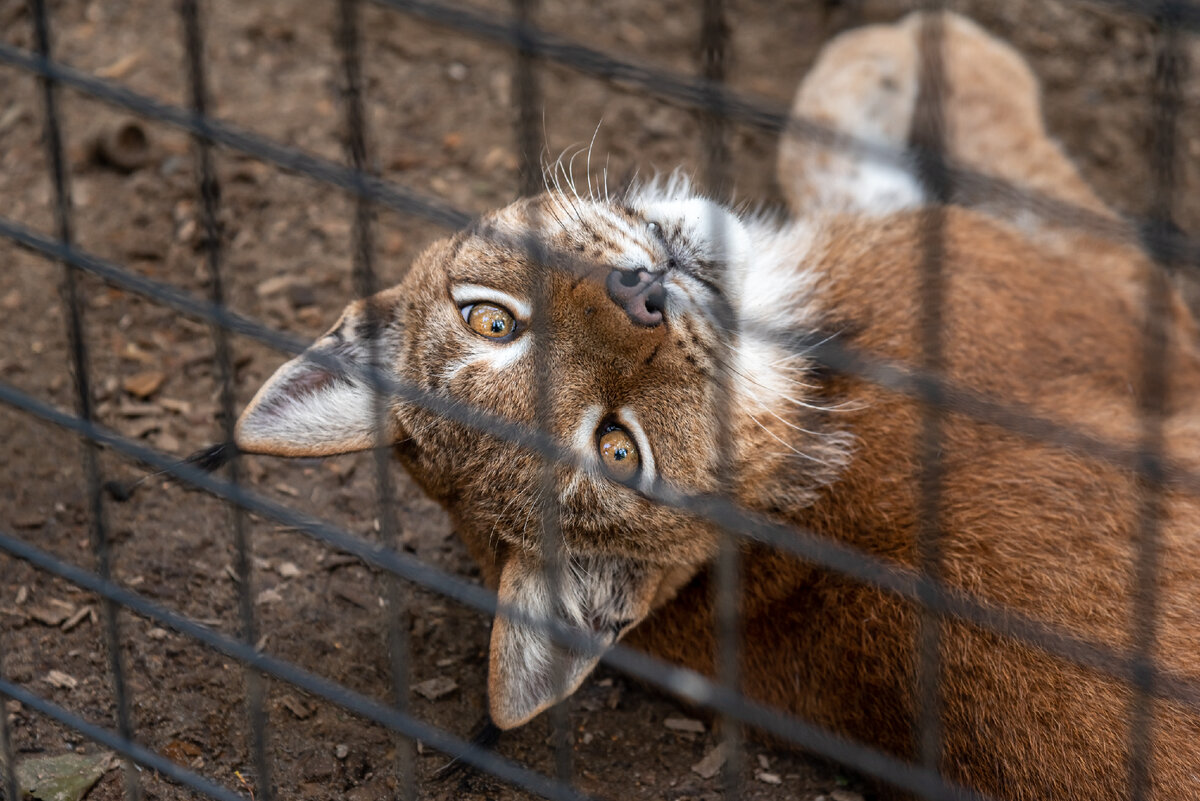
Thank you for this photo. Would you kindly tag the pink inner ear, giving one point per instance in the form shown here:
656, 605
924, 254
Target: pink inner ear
308, 380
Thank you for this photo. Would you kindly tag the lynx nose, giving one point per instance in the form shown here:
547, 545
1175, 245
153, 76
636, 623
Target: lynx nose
640, 293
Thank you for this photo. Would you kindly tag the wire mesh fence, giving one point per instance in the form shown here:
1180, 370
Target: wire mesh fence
720, 109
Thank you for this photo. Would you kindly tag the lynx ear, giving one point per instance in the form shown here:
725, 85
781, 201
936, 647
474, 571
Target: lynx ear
602, 597
317, 404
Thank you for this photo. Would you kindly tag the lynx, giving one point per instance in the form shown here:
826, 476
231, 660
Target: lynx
668, 326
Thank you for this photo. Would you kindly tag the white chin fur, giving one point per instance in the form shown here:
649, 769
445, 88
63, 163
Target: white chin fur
768, 281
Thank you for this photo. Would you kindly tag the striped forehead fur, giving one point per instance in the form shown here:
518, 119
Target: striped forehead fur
764, 262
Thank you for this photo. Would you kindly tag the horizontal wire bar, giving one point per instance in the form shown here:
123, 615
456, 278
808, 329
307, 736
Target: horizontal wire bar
389, 194
282, 669
838, 557
683, 682
1183, 15
123, 746
969, 186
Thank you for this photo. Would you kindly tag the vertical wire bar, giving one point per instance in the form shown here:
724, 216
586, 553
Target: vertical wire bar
210, 201
80, 364
349, 42
8, 759
553, 548
714, 125
1166, 99
928, 139
527, 99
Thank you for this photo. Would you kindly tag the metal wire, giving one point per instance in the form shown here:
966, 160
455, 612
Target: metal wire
1153, 392
526, 103
8, 762
366, 284
928, 138
77, 345
720, 107
727, 568
210, 201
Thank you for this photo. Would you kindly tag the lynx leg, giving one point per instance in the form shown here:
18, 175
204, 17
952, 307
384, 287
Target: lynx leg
865, 83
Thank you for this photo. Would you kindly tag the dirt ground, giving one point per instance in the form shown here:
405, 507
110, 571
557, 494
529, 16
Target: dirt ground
440, 121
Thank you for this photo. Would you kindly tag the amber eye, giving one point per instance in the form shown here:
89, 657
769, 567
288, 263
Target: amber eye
489, 320
618, 452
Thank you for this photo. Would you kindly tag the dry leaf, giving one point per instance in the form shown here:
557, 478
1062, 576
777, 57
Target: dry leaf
269, 596
77, 618
144, 384
53, 613
436, 688
297, 707
121, 67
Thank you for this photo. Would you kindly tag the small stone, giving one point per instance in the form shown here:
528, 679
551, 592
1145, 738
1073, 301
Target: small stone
144, 384
436, 688
712, 762
157, 634
63, 681
763, 762
269, 596
66, 777
341, 751
768, 778
29, 520
457, 71
22, 594
11, 300
288, 570
684, 724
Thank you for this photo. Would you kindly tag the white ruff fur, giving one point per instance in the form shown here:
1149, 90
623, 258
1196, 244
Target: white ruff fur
768, 281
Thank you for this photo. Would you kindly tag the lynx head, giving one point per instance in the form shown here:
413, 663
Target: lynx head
629, 330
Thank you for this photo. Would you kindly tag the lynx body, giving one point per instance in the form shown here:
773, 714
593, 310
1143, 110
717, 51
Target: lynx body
654, 309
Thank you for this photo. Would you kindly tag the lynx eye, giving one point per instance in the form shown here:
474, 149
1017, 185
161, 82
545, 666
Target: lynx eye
489, 320
618, 452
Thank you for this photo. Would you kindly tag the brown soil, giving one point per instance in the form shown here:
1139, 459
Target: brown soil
440, 121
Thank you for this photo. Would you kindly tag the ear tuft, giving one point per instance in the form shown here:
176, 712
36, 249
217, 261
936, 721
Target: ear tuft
310, 407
